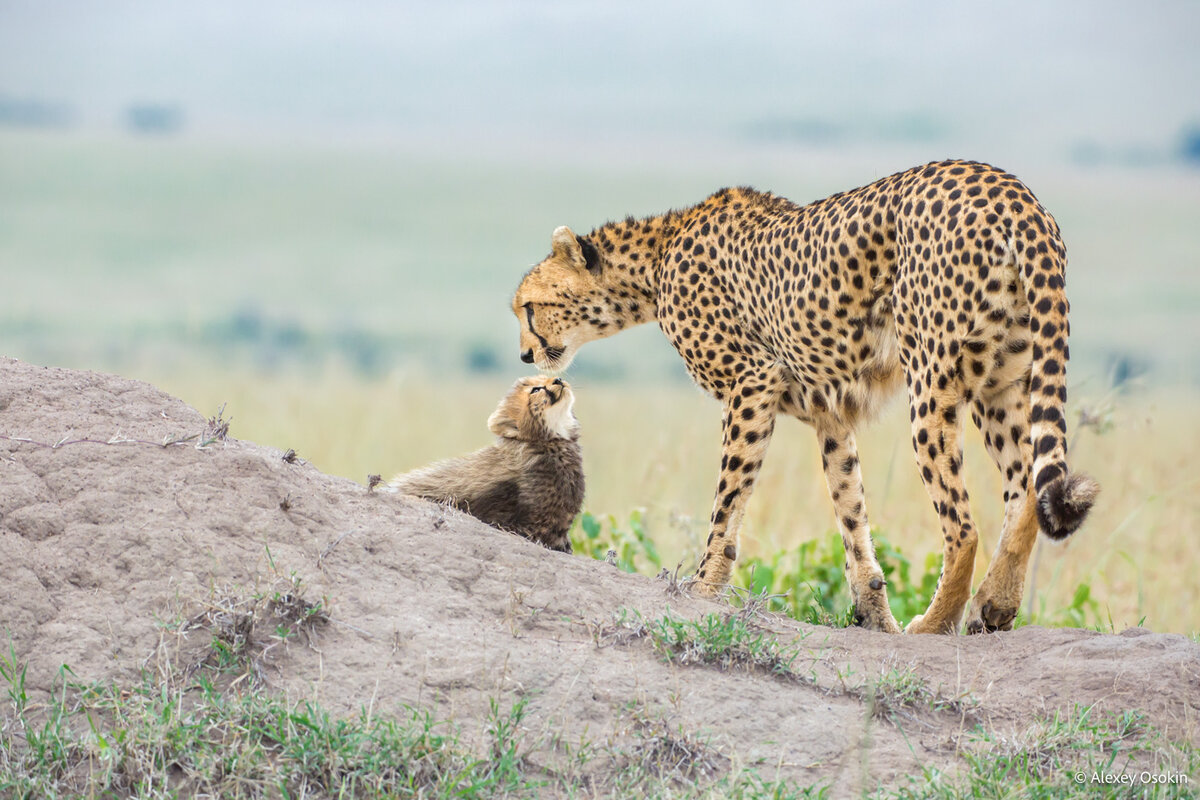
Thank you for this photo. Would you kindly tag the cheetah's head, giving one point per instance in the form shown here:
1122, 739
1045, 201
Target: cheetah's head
562, 303
536, 409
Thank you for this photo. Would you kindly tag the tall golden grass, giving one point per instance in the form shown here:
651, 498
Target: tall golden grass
657, 447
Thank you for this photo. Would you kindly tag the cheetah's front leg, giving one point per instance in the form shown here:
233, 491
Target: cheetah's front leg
749, 421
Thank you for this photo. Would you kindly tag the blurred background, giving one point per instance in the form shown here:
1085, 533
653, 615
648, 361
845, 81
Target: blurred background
317, 213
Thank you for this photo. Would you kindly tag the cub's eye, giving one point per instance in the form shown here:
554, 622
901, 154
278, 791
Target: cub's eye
536, 389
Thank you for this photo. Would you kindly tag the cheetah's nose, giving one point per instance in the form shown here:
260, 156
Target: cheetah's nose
527, 356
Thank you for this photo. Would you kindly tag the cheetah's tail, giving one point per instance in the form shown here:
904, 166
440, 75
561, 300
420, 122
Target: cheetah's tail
1063, 498
1063, 504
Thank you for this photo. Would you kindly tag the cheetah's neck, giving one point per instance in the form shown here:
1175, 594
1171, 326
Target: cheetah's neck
632, 250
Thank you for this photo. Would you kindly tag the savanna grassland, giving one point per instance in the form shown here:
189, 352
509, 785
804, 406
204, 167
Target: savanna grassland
188, 609
657, 448
352, 304
188, 614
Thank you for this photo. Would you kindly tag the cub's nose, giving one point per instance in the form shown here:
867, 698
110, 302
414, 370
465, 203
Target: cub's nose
527, 356
556, 382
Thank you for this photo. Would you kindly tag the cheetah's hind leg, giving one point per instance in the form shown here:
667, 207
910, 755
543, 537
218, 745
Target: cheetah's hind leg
936, 435
868, 589
1003, 418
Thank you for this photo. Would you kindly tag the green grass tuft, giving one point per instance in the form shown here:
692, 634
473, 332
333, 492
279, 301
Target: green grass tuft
180, 735
808, 583
1068, 755
606, 539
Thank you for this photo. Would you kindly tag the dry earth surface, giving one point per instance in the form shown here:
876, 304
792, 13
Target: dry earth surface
111, 544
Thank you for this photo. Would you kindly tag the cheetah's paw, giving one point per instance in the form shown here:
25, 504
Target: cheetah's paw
919, 625
987, 617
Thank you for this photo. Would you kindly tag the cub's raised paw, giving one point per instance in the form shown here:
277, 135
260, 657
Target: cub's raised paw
988, 618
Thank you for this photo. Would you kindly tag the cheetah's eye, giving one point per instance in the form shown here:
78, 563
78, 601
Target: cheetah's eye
536, 389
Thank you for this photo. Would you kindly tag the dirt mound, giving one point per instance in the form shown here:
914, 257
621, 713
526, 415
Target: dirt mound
133, 529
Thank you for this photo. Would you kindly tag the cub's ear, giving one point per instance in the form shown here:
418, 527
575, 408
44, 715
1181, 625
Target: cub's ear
501, 424
565, 244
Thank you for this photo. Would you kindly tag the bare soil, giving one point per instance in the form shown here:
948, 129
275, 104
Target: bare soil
109, 539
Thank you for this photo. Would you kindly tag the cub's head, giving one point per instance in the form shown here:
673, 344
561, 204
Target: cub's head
536, 409
561, 303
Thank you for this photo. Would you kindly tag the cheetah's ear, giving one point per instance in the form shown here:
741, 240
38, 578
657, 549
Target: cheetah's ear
591, 256
566, 246
502, 424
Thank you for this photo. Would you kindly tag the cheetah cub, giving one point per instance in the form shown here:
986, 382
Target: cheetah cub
530, 481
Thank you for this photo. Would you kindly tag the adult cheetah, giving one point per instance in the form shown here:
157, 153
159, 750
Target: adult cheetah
947, 277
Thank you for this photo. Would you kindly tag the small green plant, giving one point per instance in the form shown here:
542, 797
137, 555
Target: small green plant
724, 640
598, 536
12, 672
183, 735
808, 582
896, 691
1083, 612
811, 583
909, 588
506, 763
1058, 757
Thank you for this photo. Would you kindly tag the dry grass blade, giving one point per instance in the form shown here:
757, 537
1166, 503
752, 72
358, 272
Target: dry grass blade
247, 627
676, 586
673, 755
216, 429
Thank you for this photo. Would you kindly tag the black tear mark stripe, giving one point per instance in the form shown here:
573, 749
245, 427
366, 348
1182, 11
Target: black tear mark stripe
529, 321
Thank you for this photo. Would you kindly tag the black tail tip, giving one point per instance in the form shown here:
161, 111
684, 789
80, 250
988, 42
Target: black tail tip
1063, 504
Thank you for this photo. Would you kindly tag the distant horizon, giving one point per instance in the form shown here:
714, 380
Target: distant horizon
281, 177
1077, 81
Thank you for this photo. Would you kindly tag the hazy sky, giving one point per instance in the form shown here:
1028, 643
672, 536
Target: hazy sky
1037, 75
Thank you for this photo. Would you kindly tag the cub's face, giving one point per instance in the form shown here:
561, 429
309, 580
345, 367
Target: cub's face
536, 409
560, 303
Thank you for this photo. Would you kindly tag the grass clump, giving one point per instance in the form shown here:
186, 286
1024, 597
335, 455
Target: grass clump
726, 641
1077, 753
653, 757
247, 627
723, 640
808, 582
897, 692
662, 753
184, 736
606, 539
154, 740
